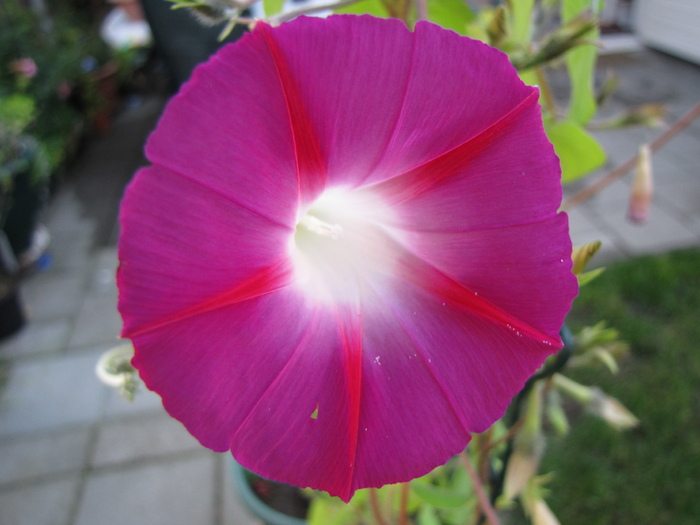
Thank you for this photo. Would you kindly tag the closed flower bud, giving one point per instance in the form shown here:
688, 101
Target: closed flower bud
642, 187
597, 402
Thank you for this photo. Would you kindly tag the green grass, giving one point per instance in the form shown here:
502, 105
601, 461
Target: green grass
650, 475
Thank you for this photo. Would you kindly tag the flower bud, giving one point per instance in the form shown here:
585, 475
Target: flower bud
542, 515
528, 447
597, 402
642, 187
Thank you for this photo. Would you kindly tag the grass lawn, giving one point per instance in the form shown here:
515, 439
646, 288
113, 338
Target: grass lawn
650, 475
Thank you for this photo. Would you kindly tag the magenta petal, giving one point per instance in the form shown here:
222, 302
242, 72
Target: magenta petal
439, 115
353, 88
513, 267
512, 179
228, 129
178, 262
347, 256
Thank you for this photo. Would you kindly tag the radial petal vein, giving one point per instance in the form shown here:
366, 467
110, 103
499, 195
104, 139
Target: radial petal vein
228, 198
426, 363
422, 275
311, 169
420, 179
266, 280
310, 328
350, 324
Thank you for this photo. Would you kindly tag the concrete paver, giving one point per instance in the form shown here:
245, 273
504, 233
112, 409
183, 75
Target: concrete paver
43, 454
49, 393
150, 494
142, 437
45, 503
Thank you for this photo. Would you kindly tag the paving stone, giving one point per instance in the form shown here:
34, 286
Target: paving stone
609, 251
233, 511
145, 401
615, 195
161, 493
47, 503
669, 173
140, 438
48, 393
684, 150
661, 232
683, 197
36, 456
69, 250
37, 338
98, 321
104, 276
53, 295
65, 215
579, 221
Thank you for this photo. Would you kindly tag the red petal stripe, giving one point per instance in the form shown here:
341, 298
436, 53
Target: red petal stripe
311, 169
422, 178
265, 281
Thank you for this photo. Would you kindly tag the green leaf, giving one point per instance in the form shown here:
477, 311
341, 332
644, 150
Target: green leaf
582, 255
580, 63
578, 152
428, 516
442, 497
451, 14
366, 7
272, 7
587, 277
331, 511
521, 11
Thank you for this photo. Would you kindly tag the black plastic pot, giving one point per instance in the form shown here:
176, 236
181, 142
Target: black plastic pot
11, 314
27, 198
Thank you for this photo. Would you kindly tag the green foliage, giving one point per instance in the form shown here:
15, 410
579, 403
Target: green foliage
451, 14
272, 6
366, 7
581, 65
578, 152
521, 21
58, 43
650, 475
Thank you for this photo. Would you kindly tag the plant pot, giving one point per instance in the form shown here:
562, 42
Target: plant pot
260, 509
107, 84
11, 311
25, 199
11, 314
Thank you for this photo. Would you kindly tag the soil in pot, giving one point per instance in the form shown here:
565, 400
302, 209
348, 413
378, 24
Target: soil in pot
283, 498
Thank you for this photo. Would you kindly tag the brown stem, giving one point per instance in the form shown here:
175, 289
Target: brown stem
622, 169
484, 503
508, 435
422, 9
403, 507
547, 96
374, 502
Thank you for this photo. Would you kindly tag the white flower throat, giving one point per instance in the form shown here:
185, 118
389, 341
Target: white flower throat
338, 243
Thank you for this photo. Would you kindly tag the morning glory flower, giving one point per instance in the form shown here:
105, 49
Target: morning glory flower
346, 256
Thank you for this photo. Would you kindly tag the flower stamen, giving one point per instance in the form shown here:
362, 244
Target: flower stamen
326, 229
